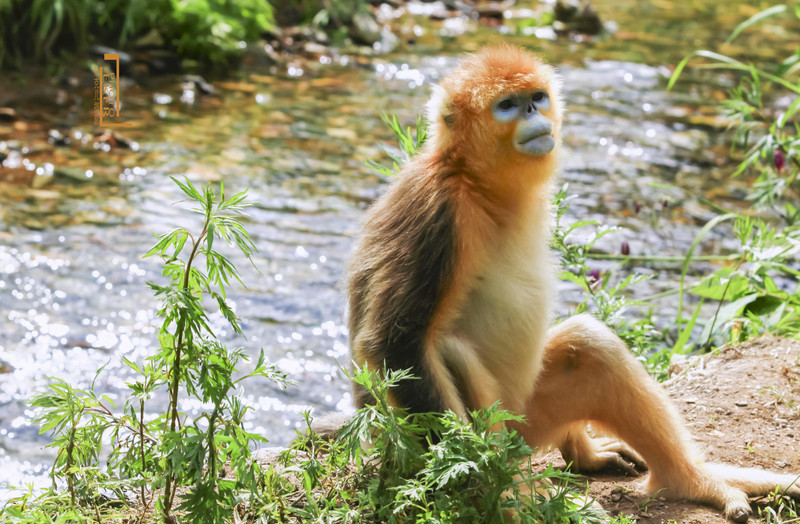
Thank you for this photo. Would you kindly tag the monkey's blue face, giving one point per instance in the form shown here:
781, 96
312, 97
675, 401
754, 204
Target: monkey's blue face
533, 134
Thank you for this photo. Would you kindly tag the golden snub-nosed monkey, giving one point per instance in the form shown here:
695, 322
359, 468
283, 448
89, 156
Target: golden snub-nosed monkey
453, 279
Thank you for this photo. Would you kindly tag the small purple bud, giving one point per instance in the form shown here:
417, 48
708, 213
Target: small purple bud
625, 249
593, 279
778, 159
637, 207
664, 204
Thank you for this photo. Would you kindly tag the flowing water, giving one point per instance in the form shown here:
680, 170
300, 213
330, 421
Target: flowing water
73, 293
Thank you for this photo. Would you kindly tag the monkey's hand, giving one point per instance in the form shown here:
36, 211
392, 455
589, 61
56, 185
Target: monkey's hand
588, 454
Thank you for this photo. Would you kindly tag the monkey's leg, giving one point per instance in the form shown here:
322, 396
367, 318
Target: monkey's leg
590, 375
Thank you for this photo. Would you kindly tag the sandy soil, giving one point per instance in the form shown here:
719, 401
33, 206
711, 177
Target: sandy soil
743, 408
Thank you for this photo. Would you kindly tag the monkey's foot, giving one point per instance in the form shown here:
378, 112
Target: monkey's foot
725, 487
742, 483
736, 505
733, 502
589, 455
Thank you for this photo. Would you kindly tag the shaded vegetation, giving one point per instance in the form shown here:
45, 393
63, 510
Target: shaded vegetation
39, 31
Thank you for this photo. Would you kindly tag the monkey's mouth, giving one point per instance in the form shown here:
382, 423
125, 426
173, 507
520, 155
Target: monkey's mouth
537, 144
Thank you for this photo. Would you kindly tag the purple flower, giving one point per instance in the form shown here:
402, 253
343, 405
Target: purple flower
778, 159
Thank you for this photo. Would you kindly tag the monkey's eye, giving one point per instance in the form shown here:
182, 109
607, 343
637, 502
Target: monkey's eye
505, 105
506, 109
539, 96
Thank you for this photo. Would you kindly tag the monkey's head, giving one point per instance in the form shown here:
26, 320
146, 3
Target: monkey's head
501, 101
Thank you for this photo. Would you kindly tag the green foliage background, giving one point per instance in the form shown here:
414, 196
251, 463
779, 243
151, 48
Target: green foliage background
39, 31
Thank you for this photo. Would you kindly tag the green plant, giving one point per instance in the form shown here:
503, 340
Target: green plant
213, 29
409, 142
152, 458
779, 508
606, 295
195, 360
471, 472
758, 293
33, 30
208, 30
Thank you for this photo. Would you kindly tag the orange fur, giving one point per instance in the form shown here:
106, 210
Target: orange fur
453, 279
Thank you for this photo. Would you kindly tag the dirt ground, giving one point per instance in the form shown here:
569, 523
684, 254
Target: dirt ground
743, 408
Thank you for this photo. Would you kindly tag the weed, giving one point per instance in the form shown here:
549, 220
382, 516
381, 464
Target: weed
152, 458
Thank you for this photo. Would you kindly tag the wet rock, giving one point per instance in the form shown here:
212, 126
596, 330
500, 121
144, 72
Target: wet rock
160, 61
313, 33
73, 173
7, 114
389, 41
289, 14
493, 10
125, 59
313, 48
43, 176
162, 99
364, 28
435, 10
55, 137
16, 175
200, 84
114, 140
566, 10
257, 55
578, 16
153, 39
458, 5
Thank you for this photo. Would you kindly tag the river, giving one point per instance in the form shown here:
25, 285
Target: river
73, 293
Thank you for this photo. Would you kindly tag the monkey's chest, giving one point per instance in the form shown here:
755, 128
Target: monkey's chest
506, 316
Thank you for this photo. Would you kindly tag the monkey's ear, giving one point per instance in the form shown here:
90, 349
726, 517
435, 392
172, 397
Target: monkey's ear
439, 109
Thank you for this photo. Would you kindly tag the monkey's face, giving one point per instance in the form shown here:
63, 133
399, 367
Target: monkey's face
500, 109
533, 131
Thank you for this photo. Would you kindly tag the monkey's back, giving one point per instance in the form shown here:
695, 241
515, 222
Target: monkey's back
401, 268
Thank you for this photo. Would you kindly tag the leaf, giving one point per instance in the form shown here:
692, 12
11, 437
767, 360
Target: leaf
720, 286
789, 113
711, 224
726, 313
756, 18
764, 305
188, 189
686, 332
678, 70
